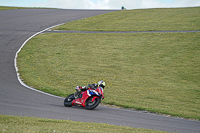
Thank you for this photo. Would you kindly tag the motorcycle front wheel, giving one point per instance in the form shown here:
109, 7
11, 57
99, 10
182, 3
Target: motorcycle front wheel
91, 105
68, 100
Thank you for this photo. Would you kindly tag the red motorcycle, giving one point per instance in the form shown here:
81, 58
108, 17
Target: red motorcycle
88, 97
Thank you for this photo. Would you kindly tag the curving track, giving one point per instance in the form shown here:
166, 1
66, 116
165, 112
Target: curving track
16, 26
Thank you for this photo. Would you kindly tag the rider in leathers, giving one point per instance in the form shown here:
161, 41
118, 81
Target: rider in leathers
94, 86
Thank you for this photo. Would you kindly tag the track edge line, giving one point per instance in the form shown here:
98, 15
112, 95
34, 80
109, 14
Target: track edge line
16, 68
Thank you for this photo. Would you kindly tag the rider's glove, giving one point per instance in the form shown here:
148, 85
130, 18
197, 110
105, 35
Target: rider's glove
78, 88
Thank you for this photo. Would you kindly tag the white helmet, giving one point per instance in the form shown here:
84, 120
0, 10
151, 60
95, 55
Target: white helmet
102, 83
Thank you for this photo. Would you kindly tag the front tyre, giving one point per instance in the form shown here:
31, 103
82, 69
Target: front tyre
68, 100
91, 105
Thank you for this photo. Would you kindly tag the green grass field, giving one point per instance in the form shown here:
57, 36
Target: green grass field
140, 20
15, 124
157, 72
10, 8
154, 72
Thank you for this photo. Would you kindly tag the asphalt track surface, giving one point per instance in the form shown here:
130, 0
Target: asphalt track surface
16, 26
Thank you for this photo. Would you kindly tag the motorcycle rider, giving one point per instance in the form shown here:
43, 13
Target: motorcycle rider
94, 86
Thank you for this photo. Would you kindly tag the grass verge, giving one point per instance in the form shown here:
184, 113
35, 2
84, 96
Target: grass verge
10, 8
140, 20
17, 124
156, 72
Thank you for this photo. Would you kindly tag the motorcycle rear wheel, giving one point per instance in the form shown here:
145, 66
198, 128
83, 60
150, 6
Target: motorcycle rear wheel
68, 100
92, 105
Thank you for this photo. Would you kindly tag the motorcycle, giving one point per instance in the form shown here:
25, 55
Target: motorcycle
88, 97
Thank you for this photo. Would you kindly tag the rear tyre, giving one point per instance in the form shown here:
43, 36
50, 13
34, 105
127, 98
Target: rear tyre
92, 105
68, 100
